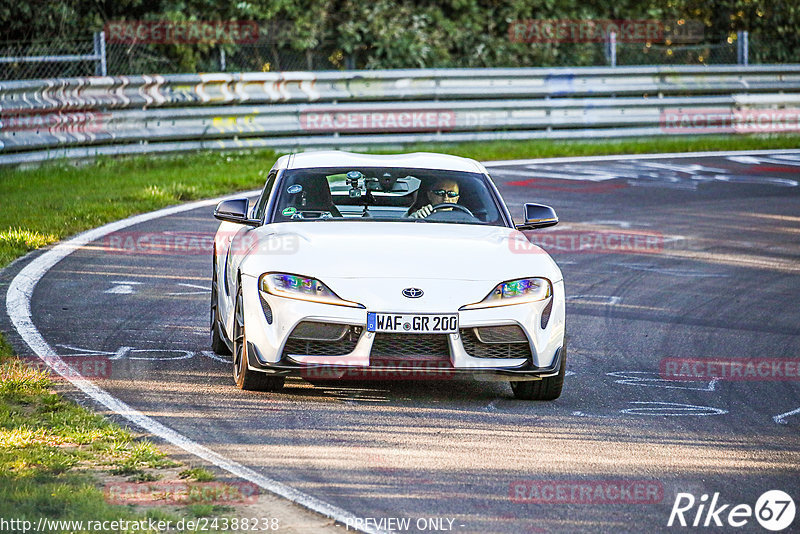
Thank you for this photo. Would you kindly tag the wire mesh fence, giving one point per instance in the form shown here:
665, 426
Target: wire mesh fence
48, 59
81, 57
720, 53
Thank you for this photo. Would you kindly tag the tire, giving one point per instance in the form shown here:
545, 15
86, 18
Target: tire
218, 344
244, 377
546, 389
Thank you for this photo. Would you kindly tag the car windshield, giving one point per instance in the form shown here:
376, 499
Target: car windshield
386, 194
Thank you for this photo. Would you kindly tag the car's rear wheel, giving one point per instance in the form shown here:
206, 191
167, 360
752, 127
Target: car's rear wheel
218, 344
545, 389
242, 375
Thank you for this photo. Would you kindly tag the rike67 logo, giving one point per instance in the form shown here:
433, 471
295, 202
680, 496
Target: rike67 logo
774, 510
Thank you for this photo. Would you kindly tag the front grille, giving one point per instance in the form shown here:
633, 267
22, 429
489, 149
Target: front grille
475, 348
421, 347
311, 347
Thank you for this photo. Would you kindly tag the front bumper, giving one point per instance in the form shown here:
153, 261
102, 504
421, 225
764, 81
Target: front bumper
270, 320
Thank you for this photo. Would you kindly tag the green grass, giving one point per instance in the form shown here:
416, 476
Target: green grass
46, 204
200, 474
503, 150
49, 447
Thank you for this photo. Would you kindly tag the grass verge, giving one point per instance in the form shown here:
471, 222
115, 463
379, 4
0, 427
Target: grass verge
51, 450
54, 455
541, 148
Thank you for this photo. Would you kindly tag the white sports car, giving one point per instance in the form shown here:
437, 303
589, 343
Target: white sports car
402, 266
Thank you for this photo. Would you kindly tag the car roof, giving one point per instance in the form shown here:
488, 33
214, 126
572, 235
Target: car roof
416, 160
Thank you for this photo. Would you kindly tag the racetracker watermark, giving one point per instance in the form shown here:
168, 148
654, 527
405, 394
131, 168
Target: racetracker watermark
55, 122
400, 120
181, 32
388, 369
600, 30
66, 367
586, 491
198, 243
725, 120
173, 492
738, 369
591, 242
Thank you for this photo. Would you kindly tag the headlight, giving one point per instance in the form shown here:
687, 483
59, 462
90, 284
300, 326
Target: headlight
515, 292
301, 288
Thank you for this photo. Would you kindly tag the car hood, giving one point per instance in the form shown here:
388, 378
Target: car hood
372, 262
351, 249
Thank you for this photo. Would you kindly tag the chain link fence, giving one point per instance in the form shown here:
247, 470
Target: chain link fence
72, 57
53, 58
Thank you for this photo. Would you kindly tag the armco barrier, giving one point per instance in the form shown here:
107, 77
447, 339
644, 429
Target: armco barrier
82, 117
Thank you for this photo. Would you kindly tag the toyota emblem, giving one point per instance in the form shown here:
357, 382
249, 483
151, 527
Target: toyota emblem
412, 292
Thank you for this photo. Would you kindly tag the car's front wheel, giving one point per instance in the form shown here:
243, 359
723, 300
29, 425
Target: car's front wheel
545, 389
242, 375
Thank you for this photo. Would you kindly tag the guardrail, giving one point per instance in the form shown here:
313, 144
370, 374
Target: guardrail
83, 117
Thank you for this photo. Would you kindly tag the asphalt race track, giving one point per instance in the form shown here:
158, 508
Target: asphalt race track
664, 259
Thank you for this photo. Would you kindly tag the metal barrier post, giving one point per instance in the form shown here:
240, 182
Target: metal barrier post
742, 47
611, 49
100, 53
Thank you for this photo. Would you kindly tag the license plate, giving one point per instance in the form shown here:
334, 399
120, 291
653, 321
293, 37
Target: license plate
431, 323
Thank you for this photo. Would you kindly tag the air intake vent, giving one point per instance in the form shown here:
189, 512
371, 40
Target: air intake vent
316, 331
546, 313
477, 349
501, 334
267, 310
411, 346
341, 339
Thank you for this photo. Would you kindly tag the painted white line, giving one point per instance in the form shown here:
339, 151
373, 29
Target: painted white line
781, 419
582, 414
120, 288
209, 354
671, 409
121, 353
18, 306
670, 271
633, 378
204, 288
182, 354
611, 299
628, 157
558, 175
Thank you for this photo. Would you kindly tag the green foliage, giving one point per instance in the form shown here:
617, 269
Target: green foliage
200, 474
410, 33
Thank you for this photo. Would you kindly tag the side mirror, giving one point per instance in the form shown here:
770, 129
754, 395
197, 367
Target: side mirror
538, 216
235, 211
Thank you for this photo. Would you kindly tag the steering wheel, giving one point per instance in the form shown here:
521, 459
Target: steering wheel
454, 206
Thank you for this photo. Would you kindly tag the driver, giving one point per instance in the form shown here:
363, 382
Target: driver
443, 192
